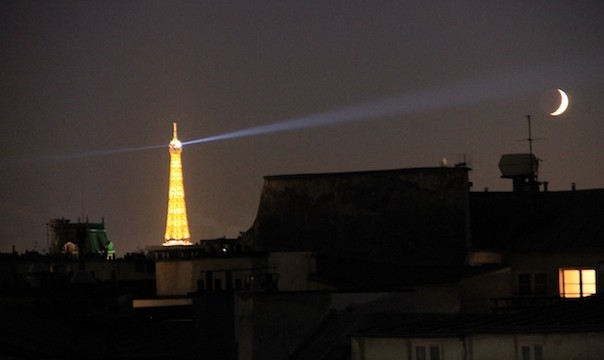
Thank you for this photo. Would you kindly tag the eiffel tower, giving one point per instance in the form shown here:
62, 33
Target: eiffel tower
177, 226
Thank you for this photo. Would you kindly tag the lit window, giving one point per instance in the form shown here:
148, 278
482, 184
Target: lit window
576, 283
427, 352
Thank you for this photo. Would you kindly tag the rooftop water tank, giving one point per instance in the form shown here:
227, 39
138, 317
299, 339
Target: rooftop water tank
515, 165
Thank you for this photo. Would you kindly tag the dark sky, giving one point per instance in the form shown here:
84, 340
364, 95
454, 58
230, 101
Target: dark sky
79, 77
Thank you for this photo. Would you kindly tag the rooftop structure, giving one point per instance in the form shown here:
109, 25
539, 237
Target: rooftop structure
82, 237
400, 216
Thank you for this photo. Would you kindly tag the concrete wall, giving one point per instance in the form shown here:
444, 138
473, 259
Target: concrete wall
491, 347
587, 346
293, 269
379, 349
477, 291
176, 277
403, 349
179, 277
140, 269
569, 346
425, 299
273, 326
557, 346
436, 299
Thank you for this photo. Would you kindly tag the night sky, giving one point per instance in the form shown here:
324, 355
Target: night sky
408, 83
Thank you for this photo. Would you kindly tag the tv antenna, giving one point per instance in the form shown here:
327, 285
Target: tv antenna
530, 136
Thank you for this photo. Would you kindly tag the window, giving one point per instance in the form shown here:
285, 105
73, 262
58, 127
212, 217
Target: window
576, 283
531, 352
524, 284
427, 352
361, 344
531, 284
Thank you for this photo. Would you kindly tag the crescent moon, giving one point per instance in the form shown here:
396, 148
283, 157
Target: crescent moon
563, 104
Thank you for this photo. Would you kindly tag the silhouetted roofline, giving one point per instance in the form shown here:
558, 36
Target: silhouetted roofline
366, 172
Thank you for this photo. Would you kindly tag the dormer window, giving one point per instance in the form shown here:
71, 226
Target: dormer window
427, 352
531, 352
532, 284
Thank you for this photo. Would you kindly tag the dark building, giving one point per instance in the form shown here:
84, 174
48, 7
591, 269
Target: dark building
405, 216
362, 225
405, 263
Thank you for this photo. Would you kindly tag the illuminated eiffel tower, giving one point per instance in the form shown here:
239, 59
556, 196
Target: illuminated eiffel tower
177, 226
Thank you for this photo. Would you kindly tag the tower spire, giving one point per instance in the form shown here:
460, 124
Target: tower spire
177, 226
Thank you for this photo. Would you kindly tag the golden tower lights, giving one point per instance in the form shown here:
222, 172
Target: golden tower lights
177, 226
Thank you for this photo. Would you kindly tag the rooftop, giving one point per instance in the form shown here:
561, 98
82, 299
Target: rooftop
544, 221
570, 316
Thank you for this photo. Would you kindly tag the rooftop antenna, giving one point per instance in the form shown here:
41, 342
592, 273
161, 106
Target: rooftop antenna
464, 161
82, 202
522, 168
530, 141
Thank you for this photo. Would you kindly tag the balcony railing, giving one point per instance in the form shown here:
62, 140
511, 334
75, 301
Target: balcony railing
518, 303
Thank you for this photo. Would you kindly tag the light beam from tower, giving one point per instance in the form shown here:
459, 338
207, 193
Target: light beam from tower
177, 226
